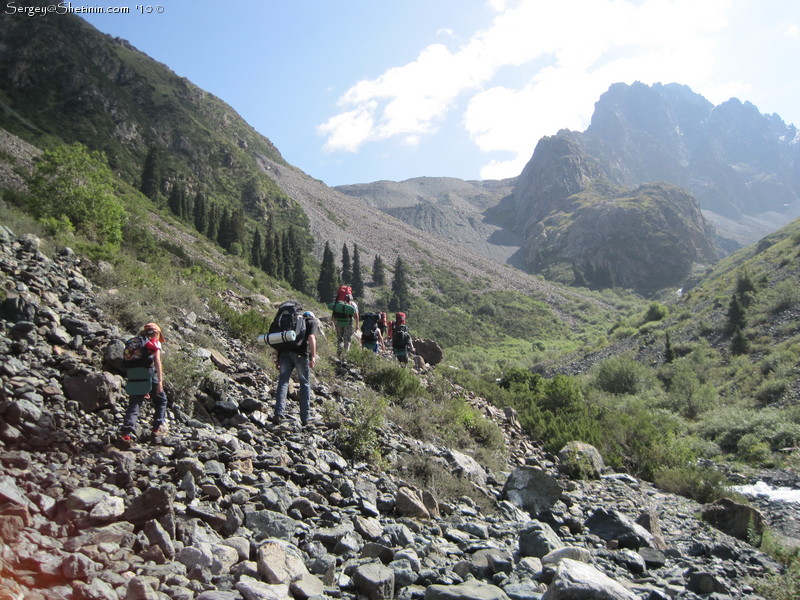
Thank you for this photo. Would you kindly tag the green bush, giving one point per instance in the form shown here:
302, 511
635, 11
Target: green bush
183, 375
702, 484
359, 435
752, 449
655, 312
394, 381
622, 375
771, 391
72, 187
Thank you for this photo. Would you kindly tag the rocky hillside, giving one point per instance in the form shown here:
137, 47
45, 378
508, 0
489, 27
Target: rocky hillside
227, 507
451, 209
580, 229
739, 164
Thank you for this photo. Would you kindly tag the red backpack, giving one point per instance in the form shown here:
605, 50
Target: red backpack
343, 292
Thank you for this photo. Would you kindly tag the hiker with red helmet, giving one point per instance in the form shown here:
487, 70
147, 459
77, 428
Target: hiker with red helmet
345, 318
401, 339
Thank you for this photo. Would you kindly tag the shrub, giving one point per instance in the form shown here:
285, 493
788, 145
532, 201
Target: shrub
699, 483
359, 435
183, 374
622, 375
655, 312
771, 391
394, 381
752, 449
73, 187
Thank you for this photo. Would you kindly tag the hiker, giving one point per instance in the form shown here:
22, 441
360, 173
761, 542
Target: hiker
371, 336
301, 359
145, 379
383, 325
345, 318
401, 339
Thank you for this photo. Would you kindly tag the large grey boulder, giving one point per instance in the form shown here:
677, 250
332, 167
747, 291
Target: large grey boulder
576, 580
532, 489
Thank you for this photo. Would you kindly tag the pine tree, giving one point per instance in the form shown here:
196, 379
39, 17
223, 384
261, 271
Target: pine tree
187, 207
175, 201
277, 246
151, 174
214, 221
288, 258
223, 233
378, 271
298, 279
739, 343
257, 248
201, 213
736, 314
357, 279
669, 353
268, 263
347, 270
327, 282
399, 299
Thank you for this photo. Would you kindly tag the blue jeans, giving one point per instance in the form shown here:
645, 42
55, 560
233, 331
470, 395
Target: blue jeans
370, 346
135, 405
288, 362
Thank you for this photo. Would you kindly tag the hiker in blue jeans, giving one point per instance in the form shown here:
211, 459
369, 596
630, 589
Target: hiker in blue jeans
146, 383
302, 361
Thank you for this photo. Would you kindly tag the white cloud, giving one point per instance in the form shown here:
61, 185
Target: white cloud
562, 54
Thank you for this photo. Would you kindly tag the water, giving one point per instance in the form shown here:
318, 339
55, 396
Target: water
780, 494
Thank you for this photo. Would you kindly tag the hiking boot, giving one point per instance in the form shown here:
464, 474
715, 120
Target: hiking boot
276, 419
125, 440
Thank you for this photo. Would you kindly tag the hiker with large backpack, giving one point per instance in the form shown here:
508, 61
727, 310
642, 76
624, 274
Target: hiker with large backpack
293, 335
345, 318
401, 339
371, 336
144, 379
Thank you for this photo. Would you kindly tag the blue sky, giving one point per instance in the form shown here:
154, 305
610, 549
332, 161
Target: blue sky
353, 91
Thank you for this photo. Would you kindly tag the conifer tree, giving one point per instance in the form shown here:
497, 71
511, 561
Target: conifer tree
151, 174
257, 248
357, 279
214, 221
327, 282
400, 297
187, 207
736, 314
201, 213
288, 258
347, 270
378, 271
223, 233
739, 343
268, 264
669, 353
298, 279
175, 201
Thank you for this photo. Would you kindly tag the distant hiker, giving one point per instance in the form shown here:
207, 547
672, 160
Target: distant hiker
145, 379
345, 318
293, 335
383, 324
401, 339
371, 336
